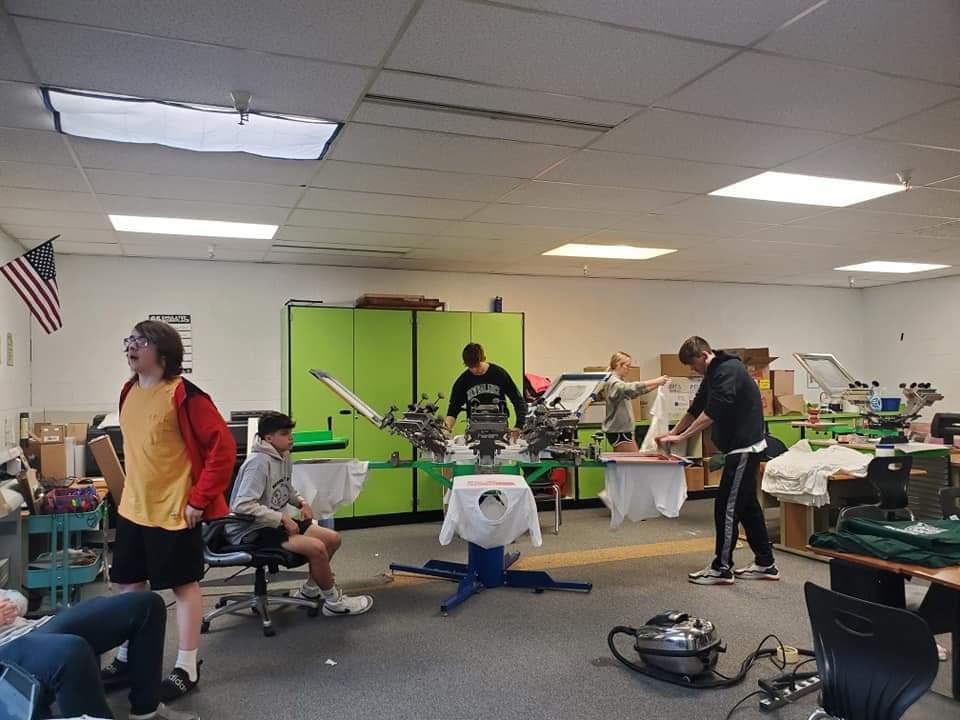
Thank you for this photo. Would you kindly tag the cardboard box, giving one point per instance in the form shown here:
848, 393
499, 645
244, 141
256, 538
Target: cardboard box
53, 460
790, 404
766, 399
679, 393
110, 467
695, 477
671, 366
50, 432
781, 382
78, 431
711, 478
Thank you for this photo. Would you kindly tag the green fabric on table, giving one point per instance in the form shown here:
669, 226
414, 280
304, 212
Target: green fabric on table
933, 543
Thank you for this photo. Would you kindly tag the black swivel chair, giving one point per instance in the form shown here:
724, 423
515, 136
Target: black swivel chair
890, 477
874, 661
218, 552
950, 502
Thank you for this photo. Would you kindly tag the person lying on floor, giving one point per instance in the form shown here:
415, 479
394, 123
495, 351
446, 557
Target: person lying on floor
264, 490
61, 651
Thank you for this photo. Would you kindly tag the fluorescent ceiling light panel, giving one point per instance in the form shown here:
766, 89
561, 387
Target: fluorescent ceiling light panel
807, 189
886, 266
614, 252
187, 226
201, 128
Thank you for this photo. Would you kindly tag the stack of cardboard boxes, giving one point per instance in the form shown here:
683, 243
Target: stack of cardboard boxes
59, 449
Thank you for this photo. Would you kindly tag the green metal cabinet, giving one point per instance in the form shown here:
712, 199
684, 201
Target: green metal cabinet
440, 338
383, 375
499, 334
782, 430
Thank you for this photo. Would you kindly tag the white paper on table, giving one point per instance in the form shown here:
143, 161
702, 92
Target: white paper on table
642, 490
327, 485
466, 517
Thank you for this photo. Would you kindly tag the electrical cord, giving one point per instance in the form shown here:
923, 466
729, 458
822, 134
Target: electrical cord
741, 701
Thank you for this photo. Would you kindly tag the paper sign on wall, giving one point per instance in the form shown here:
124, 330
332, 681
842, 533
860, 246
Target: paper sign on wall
182, 324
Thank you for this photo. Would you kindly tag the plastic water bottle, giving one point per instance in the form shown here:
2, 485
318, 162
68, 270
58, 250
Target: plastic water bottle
876, 403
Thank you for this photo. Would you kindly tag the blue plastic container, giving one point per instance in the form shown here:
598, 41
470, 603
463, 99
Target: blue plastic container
889, 404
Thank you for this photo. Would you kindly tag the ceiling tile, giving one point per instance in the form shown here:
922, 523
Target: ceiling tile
91, 59
555, 217
21, 106
379, 204
191, 243
828, 278
200, 252
737, 22
706, 228
878, 161
47, 200
916, 38
939, 127
647, 238
708, 139
359, 221
156, 160
40, 233
590, 197
555, 54
861, 242
337, 236
519, 233
593, 167
845, 219
950, 184
459, 93
918, 201
806, 94
54, 219
335, 175
351, 31
13, 66
481, 126
438, 151
164, 207
41, 177
69, 247
947, 230
719, 209
34, 146
110, 182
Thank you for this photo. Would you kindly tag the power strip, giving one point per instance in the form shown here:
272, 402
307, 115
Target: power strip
786, 695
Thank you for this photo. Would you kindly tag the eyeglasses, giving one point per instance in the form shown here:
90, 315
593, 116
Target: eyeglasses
135, 341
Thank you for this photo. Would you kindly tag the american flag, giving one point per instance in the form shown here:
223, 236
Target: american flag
34, 277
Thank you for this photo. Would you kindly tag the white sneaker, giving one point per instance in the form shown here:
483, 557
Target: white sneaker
165, 713
347, 605
757, 572
711, 576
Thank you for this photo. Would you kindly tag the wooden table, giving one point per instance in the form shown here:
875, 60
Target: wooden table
797, 522
881, 581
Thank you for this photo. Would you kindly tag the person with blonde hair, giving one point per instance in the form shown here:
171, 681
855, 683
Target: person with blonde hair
620, 422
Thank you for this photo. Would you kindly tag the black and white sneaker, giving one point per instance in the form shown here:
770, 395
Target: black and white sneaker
115, 675
177, 684
346, 605
711, 576
757, 572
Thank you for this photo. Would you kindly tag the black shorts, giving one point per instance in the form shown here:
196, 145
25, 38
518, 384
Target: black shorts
275, 537
164, 558
618, 438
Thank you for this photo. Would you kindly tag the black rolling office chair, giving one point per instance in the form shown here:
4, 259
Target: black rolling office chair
950, 503
890, 477
218, 552
874, 661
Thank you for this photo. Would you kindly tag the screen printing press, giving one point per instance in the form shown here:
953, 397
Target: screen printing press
487, 453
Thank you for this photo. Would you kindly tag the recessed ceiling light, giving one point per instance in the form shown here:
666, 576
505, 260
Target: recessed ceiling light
617, 252
201, 128
807, 189
187, 226
886, 266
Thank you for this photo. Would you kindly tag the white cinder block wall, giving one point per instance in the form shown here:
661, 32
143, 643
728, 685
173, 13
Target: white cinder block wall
570, 322
14, 381
925, 313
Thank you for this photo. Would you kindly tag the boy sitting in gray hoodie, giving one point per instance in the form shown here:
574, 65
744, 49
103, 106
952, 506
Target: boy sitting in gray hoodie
264, 490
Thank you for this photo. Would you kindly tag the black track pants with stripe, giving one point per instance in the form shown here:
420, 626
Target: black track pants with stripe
737, 503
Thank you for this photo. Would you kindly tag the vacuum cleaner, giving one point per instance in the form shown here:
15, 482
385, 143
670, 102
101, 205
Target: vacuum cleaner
681, 649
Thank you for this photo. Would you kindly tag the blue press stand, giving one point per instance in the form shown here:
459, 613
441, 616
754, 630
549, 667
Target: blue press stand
486, 568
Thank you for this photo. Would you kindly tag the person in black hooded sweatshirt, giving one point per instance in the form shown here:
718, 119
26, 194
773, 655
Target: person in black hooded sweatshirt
484, 383
729, 401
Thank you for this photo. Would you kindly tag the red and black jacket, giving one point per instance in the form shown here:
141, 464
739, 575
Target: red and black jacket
210, 446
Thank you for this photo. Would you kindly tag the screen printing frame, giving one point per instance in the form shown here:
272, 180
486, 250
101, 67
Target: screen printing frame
811, 362
349, 397
568, 383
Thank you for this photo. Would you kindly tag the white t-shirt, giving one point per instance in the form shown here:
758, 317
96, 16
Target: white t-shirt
485, 525
755, 448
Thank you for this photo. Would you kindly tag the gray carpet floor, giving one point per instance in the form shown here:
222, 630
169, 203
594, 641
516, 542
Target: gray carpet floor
506, 653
